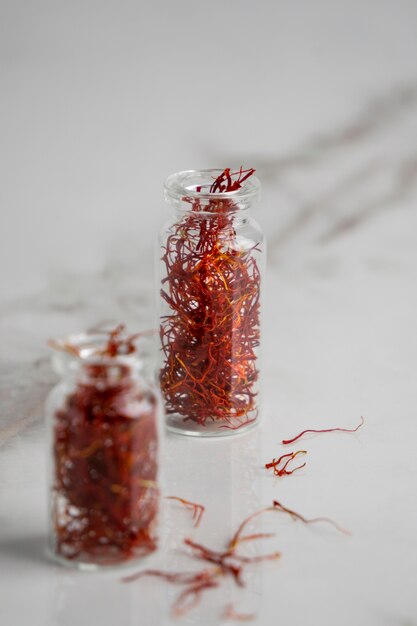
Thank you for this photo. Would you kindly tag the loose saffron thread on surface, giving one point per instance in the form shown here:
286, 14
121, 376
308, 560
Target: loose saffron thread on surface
220, 559
324, 430
237, 537
197, 509
176, 578
193, 591
229, 613
283, 471
254, 536
210, 332
195, 583
278, 506
227, 562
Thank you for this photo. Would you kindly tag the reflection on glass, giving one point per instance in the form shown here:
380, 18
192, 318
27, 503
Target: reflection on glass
224, 476
103, 599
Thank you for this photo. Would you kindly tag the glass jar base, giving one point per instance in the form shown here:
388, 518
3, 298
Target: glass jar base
212, 428
85, 566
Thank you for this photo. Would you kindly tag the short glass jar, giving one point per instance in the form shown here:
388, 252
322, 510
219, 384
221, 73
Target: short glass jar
102, 422
211, 258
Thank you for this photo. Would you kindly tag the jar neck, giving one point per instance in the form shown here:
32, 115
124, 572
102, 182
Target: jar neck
191, 192
224, 215
104, 375
79, 357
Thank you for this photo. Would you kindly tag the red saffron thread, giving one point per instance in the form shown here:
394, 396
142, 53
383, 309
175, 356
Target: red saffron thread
282, 471
324, 430
210, 334
105, 495
253, 537
197, 509
280, 507
230, 614
225, 563
195, 583
238, 538
176, 578
182, 604
228, 561
221, 559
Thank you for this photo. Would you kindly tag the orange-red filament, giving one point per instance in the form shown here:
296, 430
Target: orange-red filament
280, 466
196, 509
324, 430
210, 332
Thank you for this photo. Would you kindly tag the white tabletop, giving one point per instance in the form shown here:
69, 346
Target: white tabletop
100, 103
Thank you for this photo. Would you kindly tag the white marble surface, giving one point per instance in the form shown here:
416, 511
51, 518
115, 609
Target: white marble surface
102, 100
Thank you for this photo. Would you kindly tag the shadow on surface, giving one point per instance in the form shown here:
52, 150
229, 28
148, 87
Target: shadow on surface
30, 549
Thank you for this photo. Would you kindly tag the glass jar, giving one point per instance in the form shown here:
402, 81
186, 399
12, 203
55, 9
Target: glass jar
102, 422
211, 256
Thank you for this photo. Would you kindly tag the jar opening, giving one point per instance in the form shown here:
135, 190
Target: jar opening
189, 186
84, 351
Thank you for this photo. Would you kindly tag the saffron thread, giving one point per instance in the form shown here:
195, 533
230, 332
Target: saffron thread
280, 507
210, 332
280, 465
197, 509
324, 430
230, 614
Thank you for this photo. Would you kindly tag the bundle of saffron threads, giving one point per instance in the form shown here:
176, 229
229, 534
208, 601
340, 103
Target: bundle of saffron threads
104, 496
210, 332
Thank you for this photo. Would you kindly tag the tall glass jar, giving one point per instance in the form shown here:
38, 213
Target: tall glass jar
211, 257
102, 422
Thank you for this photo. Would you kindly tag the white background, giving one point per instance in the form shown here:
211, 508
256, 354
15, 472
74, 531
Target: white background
100, 101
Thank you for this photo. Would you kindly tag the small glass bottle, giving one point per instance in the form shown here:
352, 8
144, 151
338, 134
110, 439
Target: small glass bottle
102, 422
211, 257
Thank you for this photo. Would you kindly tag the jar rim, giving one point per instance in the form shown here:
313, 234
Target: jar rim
80, 349
184, 184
